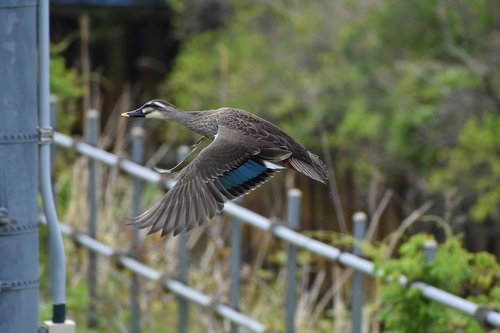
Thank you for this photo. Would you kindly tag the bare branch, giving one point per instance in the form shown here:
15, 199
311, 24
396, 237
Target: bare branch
374, 221
334, 190
407, 222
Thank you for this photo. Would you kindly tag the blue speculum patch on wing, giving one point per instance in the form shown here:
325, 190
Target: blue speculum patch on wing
242, 174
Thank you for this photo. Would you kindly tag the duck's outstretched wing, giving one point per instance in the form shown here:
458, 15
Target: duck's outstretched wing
229, 167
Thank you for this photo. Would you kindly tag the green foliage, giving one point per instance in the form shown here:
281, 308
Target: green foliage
66, 86
348, 73
64, 81
416, 18
476, 153
415, 104
474, 276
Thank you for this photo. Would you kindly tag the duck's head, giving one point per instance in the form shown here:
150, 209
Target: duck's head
156, 108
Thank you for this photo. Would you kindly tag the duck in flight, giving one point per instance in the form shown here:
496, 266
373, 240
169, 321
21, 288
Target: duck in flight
238, 151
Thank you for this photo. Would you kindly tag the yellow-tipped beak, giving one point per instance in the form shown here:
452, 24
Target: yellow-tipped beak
134, 113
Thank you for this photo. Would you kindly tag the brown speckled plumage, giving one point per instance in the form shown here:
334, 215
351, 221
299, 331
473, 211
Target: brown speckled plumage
245, 152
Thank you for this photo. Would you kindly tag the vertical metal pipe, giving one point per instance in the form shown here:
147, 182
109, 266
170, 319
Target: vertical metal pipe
182, 153
53, 124
138, 157
235, 268
359, 228
294, 197
57, 260
18, 167
92, 116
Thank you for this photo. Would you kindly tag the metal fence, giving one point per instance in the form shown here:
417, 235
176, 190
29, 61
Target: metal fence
239, 215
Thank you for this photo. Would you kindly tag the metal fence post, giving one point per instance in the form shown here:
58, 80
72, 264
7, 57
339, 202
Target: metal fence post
293, 216
235, 268
182, 153
430, 250
359, 227
92, 116
138, 157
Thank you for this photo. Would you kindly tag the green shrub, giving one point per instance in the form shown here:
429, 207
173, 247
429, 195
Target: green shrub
474, 276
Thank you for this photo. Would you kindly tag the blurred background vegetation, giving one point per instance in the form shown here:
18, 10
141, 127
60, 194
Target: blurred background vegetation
400, 98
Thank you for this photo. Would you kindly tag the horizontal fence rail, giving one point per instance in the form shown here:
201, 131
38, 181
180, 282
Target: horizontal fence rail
176, 287
484, 315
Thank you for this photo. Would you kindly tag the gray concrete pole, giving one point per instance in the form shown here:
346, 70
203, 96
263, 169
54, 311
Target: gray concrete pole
18, 167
